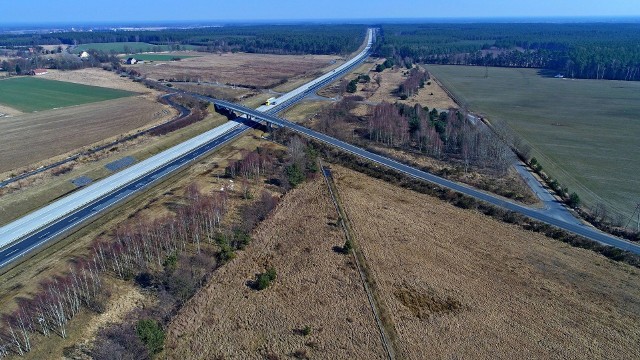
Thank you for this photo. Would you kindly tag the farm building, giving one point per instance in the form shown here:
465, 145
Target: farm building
39, 72
84, 55
131, 61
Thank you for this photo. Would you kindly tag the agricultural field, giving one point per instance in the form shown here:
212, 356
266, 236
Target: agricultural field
127, 47
315, 287
486, 289
158, 57
101, 78
257, 70
29, 94
30, 138
583, 132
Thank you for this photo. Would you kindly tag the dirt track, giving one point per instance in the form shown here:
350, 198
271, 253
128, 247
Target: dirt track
462, 285
316, 287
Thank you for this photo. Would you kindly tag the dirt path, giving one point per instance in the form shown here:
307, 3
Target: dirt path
315, 287
462, 285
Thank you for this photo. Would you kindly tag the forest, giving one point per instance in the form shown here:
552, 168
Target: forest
581, 50
271, 39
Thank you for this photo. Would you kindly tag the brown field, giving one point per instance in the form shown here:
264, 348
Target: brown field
102, 78
316, 287
23, 279
463, 285
34, 192
247, 69
29, 138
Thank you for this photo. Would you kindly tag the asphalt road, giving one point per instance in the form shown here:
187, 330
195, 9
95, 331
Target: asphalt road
94, 208
37, 228
537, 214
182, 112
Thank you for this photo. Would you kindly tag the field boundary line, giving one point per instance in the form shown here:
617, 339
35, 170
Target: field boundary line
361, 266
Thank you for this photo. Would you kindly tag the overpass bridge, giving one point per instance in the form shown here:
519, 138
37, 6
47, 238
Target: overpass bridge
534, 213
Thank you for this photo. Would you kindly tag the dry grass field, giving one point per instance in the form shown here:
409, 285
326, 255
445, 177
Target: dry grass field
247, 69
462, 285
23, 279
315, 287
29, 138
391, 80
102, 78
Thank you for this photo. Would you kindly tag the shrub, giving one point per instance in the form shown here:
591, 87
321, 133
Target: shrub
151, 334
294, 175
574, 200
306, 330
265, 279
347, 247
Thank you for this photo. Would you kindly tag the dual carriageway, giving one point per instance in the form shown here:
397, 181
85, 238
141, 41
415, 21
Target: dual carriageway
36, 229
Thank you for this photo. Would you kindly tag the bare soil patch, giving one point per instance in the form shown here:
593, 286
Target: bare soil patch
6, 110
463, 285
102, 78
258, 70
315, 287
29, 138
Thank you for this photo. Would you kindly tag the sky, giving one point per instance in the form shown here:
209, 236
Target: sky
88, 11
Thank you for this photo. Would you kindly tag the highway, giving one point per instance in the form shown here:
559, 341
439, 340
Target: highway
537, 214
41, 226
104, 200
182, 112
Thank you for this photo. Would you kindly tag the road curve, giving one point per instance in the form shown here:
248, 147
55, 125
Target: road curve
37, 228
537, 214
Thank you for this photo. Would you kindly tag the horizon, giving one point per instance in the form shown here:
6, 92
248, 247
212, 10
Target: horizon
41, 12
340, 21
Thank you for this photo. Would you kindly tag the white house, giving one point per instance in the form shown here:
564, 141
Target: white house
84, 55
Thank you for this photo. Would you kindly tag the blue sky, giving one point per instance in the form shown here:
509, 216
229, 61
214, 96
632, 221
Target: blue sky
83, 11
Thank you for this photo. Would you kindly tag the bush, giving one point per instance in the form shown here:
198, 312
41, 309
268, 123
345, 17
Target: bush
118, 342
352, 87
294, 175
574, 200
306, 331
347, 247
265, 279
151, 334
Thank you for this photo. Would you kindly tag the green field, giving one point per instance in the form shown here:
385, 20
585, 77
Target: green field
30, 94
586, 133
157, 57
127, 47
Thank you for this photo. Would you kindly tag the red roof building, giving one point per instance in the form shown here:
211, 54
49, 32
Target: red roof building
39, 71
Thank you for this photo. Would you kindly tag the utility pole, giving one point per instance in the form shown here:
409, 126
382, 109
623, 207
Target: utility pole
635, 211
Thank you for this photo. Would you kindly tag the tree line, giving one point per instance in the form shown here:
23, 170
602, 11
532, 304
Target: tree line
274, 39
590, 51
171, 256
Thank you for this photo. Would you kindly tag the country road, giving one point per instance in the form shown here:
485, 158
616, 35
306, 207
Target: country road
26, 234
545, 215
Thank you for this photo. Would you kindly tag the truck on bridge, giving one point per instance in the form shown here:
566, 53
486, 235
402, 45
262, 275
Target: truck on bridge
270, 101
